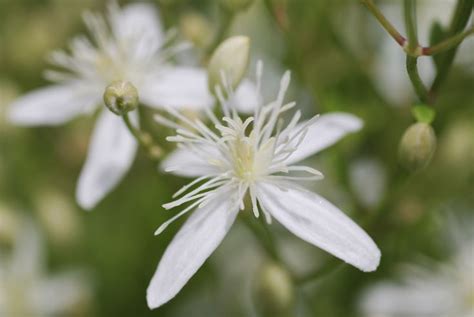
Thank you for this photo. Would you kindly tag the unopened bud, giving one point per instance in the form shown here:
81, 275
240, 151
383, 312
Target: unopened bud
236, 5
196, 29
229, 62
417, 146
274, 291
121, 97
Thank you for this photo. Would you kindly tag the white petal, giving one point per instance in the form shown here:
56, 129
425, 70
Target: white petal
246, 97
52, 105
111, 154
427, 299
317, 221
192, 245
184, 162
68, 290
184, 87
138, 26
324, 132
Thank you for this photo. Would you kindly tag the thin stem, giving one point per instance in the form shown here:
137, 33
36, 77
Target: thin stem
144, 139
384, 22
458, 23
226, 18
410, 24
262, 233
447, 43
412, 70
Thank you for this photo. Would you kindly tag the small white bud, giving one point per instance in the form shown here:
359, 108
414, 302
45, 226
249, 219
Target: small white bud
196, 28
231, 60
417, 146
121, 97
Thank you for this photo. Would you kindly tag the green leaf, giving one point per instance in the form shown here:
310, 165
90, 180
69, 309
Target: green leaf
423, 113
437, 34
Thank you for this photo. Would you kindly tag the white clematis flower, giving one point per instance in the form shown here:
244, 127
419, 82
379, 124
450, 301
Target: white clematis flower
432, 290
253, 157
25, 289
129, 45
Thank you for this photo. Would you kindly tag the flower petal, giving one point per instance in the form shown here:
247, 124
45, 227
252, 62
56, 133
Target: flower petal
111, 154
137, 25
324, 132
52, 105
184, 87
429, 298
317, 221
192, 245
246, 97
184, 162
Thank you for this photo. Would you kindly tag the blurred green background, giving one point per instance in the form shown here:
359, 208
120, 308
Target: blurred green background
335, 50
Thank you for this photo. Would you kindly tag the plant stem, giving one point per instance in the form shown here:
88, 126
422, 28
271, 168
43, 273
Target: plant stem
447, 43
384, 22
329, 267
412, 70
410, 24
225, 21
458, 23
144, 139
262, 233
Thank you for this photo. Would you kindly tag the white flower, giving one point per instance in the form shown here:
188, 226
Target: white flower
130, 46
24, 288
434, 290
253, 157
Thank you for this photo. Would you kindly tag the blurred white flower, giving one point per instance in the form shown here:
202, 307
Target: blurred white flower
438, 290
129, 45
254, 157
24, 288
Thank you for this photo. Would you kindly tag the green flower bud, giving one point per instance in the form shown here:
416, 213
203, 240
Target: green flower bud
274, 291
230, 59
417, 146
236, 5
121, 97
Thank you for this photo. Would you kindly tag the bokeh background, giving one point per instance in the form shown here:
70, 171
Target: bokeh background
341, 60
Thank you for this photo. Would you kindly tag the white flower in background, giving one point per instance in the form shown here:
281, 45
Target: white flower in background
435, 290
254, 157
129, 45
368, 180
24, 288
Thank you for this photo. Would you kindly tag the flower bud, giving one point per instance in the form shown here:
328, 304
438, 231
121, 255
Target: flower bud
236, 5
121, 97
230, 60
196, 29
274, 291
417, 146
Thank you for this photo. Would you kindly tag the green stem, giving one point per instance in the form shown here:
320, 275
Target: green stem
447, 43
263, 234
144, 139
412, 70
384, 22
458, 23
226, 18
410, 24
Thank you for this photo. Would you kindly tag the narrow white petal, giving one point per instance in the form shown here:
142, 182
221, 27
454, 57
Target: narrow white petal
324, 132
184, 87
192, 245
317, 221
139, 26
246, 97
51, 105
111, 153
185, 163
